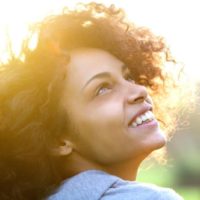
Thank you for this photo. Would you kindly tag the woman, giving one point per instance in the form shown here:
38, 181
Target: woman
76, 114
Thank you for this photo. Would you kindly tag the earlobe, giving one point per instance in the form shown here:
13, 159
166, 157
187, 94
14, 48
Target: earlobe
64, 149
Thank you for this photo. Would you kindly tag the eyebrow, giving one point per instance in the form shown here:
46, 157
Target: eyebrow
103, 75
97, 76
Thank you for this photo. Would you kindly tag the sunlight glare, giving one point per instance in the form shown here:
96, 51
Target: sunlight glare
176, 20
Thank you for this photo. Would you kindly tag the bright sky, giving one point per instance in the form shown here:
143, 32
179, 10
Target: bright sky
176, 20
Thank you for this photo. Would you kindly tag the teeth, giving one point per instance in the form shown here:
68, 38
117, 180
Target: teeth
147, 114
133, 124
151, 115
138, 120
142, 118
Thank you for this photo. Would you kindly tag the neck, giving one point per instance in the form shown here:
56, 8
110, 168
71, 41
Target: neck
126, 170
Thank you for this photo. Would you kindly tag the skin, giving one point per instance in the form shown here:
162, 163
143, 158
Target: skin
100, 109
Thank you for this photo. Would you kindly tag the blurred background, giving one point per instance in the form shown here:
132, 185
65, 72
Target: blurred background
178, 22
182, 170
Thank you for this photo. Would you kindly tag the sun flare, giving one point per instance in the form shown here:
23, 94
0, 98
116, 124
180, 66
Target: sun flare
167, 18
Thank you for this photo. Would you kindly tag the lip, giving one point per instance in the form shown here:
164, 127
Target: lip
140, 112
151, 124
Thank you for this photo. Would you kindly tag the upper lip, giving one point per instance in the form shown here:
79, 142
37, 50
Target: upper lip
141, 111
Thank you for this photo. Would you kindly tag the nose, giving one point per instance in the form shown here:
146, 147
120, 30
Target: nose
137, 94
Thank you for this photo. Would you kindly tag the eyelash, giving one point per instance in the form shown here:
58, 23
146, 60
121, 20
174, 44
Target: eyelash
129, 77
102, 86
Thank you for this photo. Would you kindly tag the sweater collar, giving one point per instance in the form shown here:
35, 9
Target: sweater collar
87, 185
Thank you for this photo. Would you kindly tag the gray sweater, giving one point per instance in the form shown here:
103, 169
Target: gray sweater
98, 185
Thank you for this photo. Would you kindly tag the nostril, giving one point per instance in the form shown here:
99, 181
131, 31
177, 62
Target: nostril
136, 99
139, 99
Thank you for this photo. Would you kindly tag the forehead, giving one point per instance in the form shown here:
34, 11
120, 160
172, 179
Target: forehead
87, 62
90, 59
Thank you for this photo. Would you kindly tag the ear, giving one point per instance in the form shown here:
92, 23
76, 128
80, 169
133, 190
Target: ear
64, 148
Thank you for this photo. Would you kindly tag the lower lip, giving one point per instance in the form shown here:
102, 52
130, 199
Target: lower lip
150, 124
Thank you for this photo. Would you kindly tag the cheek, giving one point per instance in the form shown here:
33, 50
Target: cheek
107, 112
103, 121
99, 124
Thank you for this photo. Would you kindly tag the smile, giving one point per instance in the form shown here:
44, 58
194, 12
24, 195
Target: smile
143, 118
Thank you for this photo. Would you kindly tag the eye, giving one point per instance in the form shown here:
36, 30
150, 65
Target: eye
103, 89
129, 77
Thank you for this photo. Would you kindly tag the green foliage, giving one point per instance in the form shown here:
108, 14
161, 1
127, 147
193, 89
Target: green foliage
166, 176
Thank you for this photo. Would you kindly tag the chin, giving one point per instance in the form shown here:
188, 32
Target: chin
157, 141
161, 144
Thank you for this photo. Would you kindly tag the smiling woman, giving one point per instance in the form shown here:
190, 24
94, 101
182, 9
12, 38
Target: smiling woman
77, 110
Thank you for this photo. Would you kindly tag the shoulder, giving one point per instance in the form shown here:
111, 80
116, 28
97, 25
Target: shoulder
98, 185
128, 190
88, 185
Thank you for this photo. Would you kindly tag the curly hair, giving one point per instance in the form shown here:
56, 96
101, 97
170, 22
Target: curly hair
31, 115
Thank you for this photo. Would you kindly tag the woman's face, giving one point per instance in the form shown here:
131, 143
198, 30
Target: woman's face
110, 114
